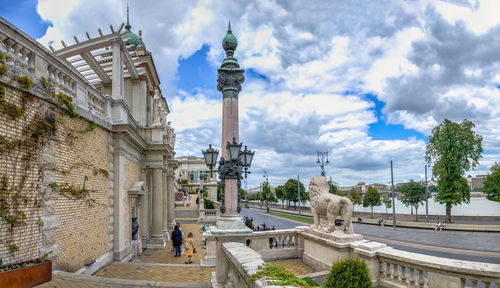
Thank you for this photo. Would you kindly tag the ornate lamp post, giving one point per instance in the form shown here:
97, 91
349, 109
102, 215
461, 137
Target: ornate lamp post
323, 155
267, 185
233, 161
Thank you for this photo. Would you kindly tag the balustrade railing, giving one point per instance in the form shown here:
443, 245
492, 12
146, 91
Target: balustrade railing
26, 57
275, 244
417, 270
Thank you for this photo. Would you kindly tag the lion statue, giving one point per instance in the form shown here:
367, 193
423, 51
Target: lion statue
326, 207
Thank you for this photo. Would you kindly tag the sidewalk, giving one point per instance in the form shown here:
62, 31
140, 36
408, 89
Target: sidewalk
401, 223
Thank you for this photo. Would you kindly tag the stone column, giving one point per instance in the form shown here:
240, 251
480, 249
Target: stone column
171, 198
117, 82
229, 83
157, 239
165, 203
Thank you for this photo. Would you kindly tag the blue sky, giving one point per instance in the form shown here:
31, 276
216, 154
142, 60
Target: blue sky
365, 81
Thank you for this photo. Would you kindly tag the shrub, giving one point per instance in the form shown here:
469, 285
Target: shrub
209, 204
349, 273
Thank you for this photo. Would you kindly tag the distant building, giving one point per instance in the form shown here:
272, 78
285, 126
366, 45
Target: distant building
476, 182
194, 173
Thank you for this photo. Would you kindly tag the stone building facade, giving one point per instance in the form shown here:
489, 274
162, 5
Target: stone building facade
86, 151
194, 172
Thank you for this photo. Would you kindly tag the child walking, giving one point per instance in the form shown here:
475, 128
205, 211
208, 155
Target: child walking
189, 248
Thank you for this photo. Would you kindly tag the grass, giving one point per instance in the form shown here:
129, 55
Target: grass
293, 217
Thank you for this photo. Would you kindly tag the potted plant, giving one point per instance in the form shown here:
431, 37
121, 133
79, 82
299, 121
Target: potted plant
26, 274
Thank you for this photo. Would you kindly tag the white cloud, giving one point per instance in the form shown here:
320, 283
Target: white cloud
425, 60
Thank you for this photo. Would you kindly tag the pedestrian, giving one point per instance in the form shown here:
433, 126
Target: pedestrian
438, 225
359, 220
382, 222
189, 248
189, 200
177, 240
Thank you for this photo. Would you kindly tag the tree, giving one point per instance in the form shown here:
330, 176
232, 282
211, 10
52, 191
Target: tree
291, 191
355, 197
334, 189
372, 198
243, 194
492, 183
387, 202
267, 194
454, 148
413, 194
280, 194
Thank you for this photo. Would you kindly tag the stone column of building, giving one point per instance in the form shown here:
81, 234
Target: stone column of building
157, 239
165, 202
229, 83
117, 83
171, 196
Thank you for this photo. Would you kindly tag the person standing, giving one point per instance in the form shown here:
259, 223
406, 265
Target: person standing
177, 240
189, 248
189, 200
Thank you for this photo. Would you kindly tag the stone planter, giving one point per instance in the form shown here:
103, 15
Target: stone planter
28, 276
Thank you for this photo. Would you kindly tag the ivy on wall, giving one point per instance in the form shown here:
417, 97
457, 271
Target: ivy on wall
21, 174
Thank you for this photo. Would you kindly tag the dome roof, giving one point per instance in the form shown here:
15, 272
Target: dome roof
132, 38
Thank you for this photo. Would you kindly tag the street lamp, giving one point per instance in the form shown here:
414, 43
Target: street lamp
267, 184
323, 155
231, 168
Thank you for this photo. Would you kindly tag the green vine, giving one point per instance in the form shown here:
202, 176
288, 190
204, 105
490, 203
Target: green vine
8, 108
13, 248
3, 69
91, 127
74, 192
24, 81
67, 101
44, 82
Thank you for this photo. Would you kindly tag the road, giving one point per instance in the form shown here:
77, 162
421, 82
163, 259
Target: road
461, 245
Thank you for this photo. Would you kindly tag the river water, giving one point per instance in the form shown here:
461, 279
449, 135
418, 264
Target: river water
478, 206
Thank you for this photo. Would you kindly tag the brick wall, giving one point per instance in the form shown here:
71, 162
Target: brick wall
81, 226
82, 233
27, 237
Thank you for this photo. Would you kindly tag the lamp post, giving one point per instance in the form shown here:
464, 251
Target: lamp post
267, 184
426, 197
323, 155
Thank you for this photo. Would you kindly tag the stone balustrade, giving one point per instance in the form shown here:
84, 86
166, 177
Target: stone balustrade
208, 216
26, 57
275, 244
416, 270
388, 267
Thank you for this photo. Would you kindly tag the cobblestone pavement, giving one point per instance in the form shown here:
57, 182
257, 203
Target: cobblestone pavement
178, 273
296, 266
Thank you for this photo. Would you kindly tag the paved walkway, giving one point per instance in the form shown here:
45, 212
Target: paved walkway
296, 266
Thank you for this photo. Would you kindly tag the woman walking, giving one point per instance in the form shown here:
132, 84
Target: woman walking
189, 248
177, 240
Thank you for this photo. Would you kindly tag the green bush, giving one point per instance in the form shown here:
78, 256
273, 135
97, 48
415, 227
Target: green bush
349, 273
209, 204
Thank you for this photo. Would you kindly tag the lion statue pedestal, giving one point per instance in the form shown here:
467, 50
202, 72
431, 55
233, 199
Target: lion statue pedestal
325, 243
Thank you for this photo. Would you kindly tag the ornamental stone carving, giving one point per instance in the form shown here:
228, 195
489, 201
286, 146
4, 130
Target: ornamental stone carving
325, 208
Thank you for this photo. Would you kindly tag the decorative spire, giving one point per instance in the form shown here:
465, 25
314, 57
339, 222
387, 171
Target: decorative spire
229, 42
128, 27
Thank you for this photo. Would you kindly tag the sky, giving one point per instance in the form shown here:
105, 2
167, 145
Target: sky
365, 81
